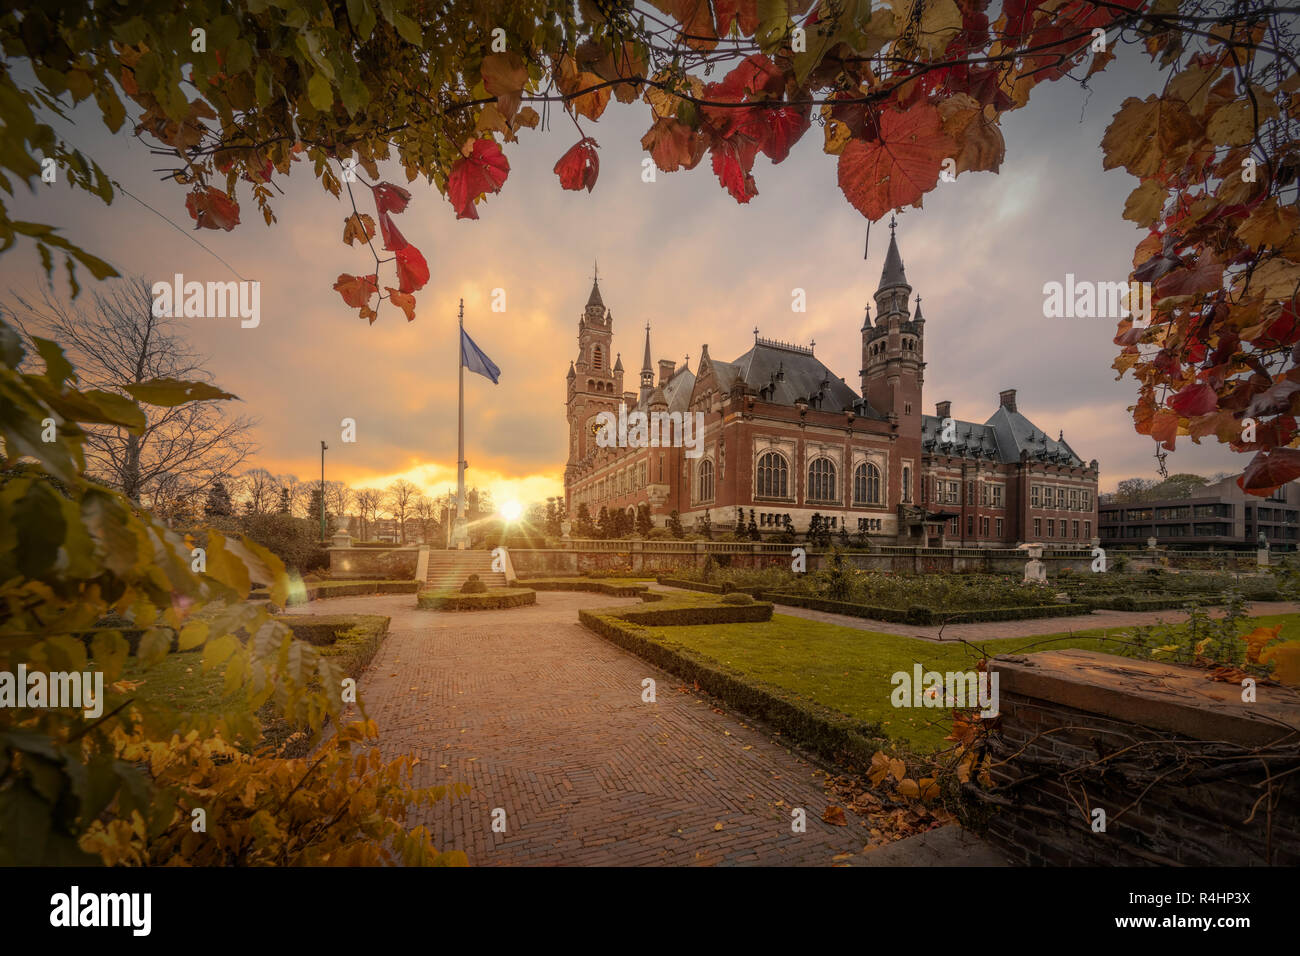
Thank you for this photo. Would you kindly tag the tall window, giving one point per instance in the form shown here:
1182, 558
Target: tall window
1033, 496
866, 484
773, 476
907, 483
821, 480
595, 358
706, 480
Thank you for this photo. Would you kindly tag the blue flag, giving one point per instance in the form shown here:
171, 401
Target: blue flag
472, 357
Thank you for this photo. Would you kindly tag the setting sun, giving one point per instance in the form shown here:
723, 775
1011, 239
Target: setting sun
511, 510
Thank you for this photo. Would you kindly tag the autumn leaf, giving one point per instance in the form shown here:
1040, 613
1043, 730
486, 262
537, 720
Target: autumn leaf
731, 171
358, 227
394, 241
673, 145
784, 126
1204, 275
901, 167
1269, 224
483, 171
835, 816
403, 301
572, 82
1195, 400
981, 146
390, 198
504, 76
579, 166
356, 290
412, 270
1143, 132
879, 768
1257, 639
212, 209
1270, 470
1145, 204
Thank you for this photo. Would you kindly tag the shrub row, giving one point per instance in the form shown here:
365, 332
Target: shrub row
831, 734
583, 584
920, 615
492, 600
326, 629
691, 585
333, 589
679, 615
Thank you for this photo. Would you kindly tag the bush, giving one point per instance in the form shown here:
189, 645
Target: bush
691, 614
919, 614
737, 597
295, 541
490, 601
324, 630
473, 585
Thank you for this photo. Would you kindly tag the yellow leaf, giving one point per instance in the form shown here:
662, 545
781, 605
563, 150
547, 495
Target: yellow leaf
1145, 204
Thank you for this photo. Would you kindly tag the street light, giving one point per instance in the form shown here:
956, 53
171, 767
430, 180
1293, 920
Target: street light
323, 446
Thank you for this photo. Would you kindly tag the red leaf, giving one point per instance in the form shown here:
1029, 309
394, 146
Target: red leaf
897, 171
403, 301
412, 270
580, 166
212, 209
1195, 400
483, 171
744, 12
394, 241
1269, 471
784, 127
356, 290
390, 198
732, 171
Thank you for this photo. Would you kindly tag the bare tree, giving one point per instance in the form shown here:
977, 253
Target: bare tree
338, 498
261, 491
425, 510
399, 496
116, 341
368, 501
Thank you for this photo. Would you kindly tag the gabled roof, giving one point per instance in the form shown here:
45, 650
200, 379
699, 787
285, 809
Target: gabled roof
1002, 438
676, 391
790, 374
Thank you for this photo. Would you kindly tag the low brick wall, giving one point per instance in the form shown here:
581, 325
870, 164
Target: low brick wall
390, 564
652, 557
1158, 747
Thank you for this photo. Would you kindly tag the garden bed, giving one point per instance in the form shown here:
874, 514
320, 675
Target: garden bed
612, 588
493, 600
921, 615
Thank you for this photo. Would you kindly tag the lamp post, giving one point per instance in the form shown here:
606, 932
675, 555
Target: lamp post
323, 446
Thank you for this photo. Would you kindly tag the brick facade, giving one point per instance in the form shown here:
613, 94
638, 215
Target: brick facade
784, 436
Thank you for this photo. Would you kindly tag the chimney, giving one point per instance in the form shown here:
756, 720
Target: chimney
1007, 398
666, 369
943, 409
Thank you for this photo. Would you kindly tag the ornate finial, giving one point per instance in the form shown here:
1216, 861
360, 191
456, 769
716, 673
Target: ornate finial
892, 220
756, 333
812, 345
595, 270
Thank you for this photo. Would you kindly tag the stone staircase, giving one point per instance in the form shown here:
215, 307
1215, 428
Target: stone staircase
450, 569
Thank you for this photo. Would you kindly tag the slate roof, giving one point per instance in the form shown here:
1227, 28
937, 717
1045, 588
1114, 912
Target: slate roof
676, 391
1001, 438
802, 376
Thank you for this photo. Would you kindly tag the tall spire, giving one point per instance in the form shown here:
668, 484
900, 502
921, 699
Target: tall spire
893, 274
647, 373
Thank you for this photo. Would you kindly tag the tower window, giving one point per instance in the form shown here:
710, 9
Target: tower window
595, 358
706, 480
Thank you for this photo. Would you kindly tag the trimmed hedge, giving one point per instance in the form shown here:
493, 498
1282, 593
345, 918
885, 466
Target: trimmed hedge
324, 630
829, 733
332, 589
691, 585
919, 615
690, 614
580, 584
493, 600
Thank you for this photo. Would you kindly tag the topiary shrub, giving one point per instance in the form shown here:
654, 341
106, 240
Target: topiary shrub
473, 585
918, 614
737, 597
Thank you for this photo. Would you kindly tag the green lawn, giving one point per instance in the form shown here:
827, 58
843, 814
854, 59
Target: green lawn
849, 670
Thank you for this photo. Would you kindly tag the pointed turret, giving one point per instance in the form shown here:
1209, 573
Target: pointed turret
618, 364
647, 373
916, 315
892, 274
594, 300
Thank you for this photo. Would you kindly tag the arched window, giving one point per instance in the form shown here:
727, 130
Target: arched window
595, 357
773, 476
907, 483
706, 481
866, 484
821, 480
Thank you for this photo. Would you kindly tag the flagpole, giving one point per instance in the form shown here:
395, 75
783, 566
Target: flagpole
459, 534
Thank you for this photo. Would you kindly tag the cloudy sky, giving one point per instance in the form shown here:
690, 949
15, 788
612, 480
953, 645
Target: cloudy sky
677, 253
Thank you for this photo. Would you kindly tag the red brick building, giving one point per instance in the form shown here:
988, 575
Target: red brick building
783, 435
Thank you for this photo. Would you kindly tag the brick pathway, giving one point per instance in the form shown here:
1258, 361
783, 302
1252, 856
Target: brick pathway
544, 719
992, 630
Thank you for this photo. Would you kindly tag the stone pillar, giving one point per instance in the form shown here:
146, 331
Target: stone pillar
1035, 569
